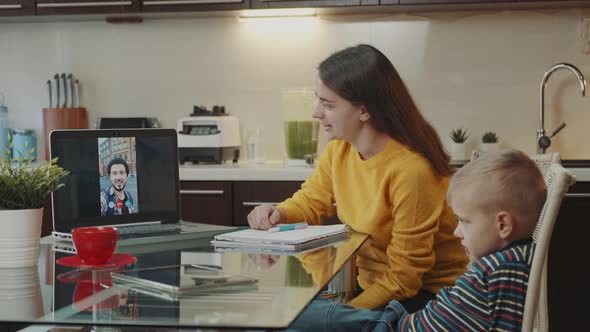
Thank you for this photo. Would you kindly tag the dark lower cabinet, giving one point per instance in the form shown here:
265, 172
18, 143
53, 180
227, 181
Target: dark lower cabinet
229, 203
249, 194
17, 7
206, 202
567, 281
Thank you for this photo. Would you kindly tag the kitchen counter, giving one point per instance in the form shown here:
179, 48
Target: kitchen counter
277, 171
244, 171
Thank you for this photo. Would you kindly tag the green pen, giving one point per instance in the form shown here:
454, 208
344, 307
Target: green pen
288, 227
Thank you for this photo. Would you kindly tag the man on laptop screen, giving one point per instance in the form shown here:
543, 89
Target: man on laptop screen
127, 178
116, 182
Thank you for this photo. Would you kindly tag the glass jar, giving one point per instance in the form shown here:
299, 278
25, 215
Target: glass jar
4, 131
24, 144
300, 129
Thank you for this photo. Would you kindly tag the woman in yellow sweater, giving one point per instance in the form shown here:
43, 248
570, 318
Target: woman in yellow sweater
387, 172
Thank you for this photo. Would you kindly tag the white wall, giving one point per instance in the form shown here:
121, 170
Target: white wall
481, 71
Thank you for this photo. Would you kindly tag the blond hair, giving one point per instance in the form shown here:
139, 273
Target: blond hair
506, 180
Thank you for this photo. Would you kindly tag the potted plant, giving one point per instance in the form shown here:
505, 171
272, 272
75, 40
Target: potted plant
458, 136
24, 188
489, 141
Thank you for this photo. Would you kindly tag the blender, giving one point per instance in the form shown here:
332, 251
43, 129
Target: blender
300, 129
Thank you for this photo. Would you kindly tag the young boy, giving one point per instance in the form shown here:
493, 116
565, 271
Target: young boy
497, 199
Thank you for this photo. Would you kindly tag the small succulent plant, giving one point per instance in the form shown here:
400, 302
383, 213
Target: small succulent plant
490, 137
459, 135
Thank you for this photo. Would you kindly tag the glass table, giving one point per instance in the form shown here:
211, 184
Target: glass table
57, 295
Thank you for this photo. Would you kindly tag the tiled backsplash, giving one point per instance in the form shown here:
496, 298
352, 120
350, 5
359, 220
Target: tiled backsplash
480, 71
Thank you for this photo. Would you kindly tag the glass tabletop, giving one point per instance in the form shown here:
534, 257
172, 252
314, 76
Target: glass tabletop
50, 293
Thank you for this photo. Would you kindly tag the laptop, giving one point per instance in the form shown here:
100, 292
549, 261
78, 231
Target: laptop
126, 178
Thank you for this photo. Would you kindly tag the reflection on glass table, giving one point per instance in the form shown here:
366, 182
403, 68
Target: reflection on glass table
285, 285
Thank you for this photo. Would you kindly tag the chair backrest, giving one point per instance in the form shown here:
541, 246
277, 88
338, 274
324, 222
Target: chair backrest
542, 160
545, 160
536, 312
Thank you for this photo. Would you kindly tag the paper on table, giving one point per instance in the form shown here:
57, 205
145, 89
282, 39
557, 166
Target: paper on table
289, 237
278, 249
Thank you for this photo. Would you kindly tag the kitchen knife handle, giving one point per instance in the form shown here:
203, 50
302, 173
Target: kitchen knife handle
19, 6
65, 85
57, 94
84, 4
50, 95
70, 84
77, 93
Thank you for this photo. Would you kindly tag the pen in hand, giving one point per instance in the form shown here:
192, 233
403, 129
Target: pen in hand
288, 227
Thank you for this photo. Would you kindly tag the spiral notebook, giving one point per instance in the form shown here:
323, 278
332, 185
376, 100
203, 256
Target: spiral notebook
295, 240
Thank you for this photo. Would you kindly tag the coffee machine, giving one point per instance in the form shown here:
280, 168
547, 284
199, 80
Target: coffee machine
208, 137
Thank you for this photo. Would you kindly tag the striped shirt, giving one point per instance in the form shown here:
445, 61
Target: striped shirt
488, 297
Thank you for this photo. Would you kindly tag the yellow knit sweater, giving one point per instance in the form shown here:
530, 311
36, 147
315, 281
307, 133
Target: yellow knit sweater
398, 199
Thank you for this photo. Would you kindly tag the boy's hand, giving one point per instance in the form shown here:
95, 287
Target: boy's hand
264, 216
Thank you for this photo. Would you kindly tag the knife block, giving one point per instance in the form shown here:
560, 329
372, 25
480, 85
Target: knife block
62, 118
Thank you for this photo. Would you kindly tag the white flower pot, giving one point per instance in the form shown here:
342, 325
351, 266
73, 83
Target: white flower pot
489, 147
457, 151
19, 239
20, 293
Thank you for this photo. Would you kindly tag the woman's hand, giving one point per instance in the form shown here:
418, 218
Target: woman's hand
264, 216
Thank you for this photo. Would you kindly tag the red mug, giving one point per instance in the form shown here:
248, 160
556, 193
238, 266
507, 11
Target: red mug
94, 245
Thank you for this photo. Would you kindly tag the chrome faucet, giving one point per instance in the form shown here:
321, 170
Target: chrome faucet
544, 141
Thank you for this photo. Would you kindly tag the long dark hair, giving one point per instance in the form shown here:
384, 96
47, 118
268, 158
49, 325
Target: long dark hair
364, 76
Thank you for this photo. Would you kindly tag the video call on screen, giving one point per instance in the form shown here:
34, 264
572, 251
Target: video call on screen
91, 192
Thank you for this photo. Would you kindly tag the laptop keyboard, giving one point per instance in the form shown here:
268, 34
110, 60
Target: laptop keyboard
146, 229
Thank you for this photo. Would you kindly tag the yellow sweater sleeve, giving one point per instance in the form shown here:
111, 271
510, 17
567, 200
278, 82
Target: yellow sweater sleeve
418, 198
315, 199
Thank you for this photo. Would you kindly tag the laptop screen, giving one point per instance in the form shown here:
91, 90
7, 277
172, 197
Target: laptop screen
117, 176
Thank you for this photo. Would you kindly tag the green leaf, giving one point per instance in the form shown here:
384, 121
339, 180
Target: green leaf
25, 184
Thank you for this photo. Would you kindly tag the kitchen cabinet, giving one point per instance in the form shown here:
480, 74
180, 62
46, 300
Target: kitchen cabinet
568, 256
192, 5
71, 7
448, 2
441, 2
207, 202
17, 7
228, 203
567, 289
137, 7
249, 194
259, 4
548, 0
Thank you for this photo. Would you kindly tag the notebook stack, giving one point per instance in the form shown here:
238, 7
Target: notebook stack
290, 241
